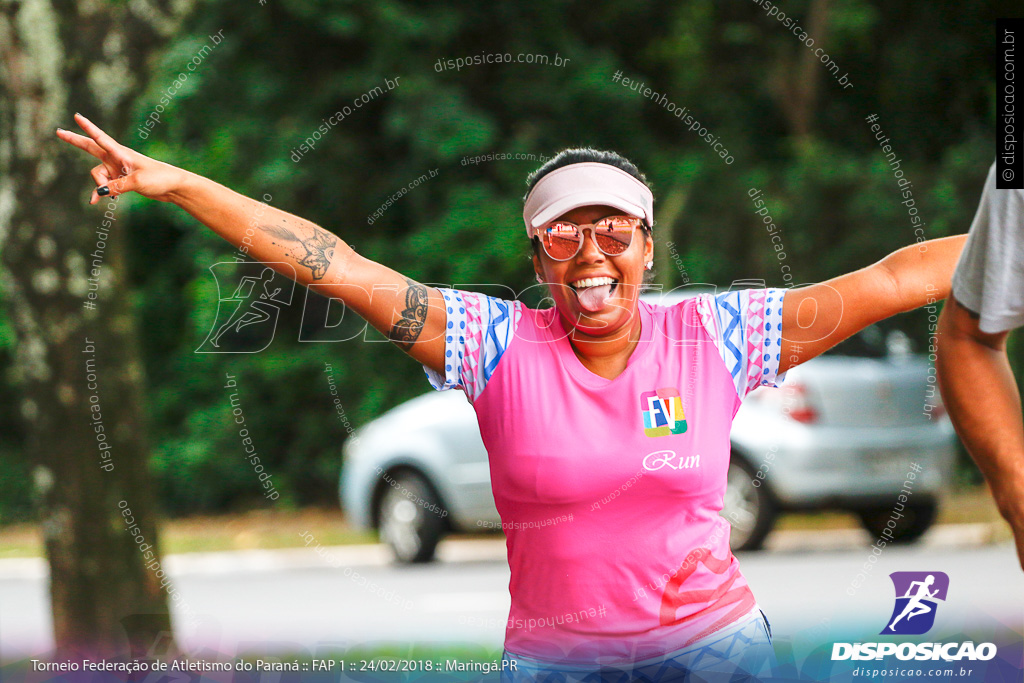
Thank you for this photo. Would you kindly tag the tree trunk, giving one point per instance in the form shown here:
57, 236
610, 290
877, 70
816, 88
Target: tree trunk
798, 78
672, 207
76, 359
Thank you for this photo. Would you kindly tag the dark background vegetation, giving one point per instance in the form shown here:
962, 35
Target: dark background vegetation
926, 69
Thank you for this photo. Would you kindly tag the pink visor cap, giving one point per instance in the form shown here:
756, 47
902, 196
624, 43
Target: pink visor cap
588, 183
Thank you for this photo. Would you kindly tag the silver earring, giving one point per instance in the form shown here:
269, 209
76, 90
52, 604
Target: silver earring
539, 279
650, 264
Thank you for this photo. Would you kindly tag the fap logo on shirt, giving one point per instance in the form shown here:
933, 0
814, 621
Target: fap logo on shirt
663, 412
916, 595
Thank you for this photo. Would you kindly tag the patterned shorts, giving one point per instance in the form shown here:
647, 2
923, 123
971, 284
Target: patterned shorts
739, 652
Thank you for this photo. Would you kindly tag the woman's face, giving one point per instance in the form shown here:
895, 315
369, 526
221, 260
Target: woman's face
589, 312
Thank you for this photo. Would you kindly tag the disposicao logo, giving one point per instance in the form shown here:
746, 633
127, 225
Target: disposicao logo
917, 599
663, 412
916, 596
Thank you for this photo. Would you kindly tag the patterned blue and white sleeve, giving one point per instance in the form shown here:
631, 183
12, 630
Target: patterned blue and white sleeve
746, 327
478, 330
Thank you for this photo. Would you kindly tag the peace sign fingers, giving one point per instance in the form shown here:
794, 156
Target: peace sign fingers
122, 169
81, 141
103, 140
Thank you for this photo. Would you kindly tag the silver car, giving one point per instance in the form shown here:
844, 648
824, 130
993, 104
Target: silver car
842, 433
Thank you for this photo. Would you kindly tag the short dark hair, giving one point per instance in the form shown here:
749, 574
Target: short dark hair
577, 155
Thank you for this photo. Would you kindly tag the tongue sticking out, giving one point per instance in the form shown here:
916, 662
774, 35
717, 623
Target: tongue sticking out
592, 299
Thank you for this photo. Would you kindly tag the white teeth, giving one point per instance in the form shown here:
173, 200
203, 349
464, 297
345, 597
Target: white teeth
593, 282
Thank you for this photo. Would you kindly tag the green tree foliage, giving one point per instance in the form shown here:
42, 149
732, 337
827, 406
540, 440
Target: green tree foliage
285, 66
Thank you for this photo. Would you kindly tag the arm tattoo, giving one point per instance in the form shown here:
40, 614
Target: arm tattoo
319, 249
407, 330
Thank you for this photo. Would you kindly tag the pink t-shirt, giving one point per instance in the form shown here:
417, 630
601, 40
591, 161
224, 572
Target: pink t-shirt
609, 490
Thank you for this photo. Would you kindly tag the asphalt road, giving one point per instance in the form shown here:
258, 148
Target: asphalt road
269, 601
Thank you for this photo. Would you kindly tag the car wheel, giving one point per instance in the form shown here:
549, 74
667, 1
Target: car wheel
406, 521
916, 520
748, 507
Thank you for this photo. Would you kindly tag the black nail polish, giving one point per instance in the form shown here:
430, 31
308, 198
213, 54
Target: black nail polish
103, 191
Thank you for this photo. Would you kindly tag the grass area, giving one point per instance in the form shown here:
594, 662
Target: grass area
261, 529
970, 506
266, 529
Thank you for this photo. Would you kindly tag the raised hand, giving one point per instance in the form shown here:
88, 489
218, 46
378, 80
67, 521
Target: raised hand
122, 169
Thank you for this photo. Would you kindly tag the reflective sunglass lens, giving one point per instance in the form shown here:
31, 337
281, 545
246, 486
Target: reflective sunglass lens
613, 236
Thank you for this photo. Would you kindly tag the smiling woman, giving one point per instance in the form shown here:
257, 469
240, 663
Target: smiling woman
574, 401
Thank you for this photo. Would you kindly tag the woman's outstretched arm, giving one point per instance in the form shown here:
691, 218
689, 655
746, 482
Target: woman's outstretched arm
817, 317
408, 313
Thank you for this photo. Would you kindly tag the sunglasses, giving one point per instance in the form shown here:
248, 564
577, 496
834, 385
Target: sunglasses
562, 240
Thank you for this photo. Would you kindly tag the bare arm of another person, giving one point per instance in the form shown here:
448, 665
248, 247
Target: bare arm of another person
817, 317
983, 401
407, 312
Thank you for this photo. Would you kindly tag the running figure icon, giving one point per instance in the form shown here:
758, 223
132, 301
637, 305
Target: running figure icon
249, 310
258, 294
915, 606
917, 595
